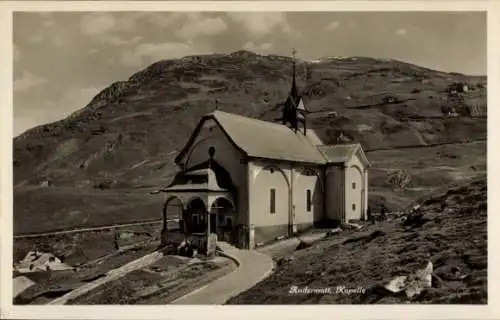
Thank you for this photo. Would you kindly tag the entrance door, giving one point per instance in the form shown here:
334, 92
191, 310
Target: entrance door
213, 223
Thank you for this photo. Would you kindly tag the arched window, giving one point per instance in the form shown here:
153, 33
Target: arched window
308, 200
272, 195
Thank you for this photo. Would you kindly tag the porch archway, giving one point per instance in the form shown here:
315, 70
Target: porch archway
172, 209
223, 219
195, 215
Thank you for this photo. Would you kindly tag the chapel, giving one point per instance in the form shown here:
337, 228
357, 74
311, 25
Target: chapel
247, 181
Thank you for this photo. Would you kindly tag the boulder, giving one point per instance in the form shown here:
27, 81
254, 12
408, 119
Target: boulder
284, 260
333, 232
412, 284
351, 226
40, 261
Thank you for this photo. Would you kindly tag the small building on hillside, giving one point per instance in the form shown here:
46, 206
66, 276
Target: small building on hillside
248, 181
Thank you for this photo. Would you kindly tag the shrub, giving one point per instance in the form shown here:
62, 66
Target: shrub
389, 127
400, 179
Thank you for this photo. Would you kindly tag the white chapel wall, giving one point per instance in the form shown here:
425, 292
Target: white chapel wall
334, 192
307, 179
226, 155
264, 177
355, 197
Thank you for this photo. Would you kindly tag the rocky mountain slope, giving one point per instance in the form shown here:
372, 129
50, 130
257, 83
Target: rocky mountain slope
127, 137
449, 230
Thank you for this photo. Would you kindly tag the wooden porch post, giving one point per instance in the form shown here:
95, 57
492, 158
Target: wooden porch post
207, 231
217, 222
164, 215
208, 223
164, 228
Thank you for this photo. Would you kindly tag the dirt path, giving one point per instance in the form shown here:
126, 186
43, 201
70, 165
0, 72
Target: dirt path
253, 267
429, 145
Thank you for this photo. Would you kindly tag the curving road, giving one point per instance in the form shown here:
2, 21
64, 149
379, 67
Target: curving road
253, 267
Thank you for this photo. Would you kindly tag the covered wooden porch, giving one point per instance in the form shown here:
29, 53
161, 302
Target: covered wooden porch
206, 210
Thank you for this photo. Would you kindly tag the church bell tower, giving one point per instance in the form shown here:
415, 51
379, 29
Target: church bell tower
294, 112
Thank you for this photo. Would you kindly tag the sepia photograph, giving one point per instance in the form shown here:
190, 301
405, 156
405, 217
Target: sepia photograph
249, 157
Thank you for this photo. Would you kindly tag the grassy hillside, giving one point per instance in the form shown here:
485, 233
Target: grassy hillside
127, 137
57, 209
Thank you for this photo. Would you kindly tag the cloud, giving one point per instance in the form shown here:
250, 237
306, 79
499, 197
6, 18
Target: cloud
128, 21
16, 53
74, 99
92, 52
150, 52
48, 23
401, 32
163, 20
259, 24
118, 41
47, 19
58, 40
197, 25
37, 38
97, 23
334, 25
262, 48
28, 80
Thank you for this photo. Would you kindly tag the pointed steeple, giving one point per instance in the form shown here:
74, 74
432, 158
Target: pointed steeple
294, 92
294, 111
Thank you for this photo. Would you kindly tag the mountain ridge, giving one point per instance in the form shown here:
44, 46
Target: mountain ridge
127, 136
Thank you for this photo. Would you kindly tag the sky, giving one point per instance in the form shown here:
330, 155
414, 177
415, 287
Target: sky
63, 59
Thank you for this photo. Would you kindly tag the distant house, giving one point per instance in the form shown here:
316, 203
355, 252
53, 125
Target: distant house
44, 183
250, 181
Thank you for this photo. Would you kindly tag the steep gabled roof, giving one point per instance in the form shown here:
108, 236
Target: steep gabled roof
261, 139
340, 153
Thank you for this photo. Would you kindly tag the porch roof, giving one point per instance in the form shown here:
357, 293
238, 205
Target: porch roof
193, 187
207, 176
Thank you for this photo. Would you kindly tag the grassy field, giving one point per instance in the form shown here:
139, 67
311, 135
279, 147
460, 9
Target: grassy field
428, 168
160, 283
66, 208
78, 248
452, 234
